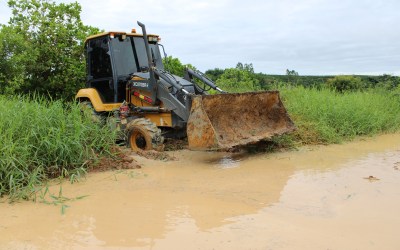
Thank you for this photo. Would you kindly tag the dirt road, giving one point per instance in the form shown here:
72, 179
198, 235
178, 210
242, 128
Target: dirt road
328, 197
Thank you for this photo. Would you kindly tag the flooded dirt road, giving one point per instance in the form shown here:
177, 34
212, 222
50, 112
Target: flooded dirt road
328, 197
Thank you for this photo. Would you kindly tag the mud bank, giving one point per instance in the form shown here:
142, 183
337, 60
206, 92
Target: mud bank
329, 197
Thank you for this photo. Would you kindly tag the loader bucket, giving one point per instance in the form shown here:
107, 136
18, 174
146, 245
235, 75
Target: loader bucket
224, 121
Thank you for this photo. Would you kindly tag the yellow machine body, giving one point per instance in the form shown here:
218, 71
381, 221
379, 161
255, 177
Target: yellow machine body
163, 119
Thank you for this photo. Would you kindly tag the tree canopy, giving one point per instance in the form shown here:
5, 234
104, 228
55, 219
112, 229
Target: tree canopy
174, 65
41, 48
239, 79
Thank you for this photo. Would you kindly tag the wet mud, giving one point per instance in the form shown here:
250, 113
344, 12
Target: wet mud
327, 197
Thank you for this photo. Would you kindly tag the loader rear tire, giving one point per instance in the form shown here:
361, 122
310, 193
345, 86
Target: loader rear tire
142, 134
86, 106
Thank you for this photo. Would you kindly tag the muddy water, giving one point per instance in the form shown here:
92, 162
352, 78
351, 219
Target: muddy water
330, 197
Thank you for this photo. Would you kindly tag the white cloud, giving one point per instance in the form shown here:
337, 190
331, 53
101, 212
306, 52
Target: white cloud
310, 36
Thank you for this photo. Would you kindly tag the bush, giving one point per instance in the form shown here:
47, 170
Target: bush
41, 139
345, 83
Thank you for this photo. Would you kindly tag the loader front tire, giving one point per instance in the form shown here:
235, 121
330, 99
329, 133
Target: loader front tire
142, 134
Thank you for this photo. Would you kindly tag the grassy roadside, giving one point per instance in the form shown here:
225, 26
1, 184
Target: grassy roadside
43, 139
325, 116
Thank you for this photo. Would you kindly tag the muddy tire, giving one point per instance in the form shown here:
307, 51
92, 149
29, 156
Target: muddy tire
142, 134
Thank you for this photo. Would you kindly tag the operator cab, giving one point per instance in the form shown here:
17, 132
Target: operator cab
113, 57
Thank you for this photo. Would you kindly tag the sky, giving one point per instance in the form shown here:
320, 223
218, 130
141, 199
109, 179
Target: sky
312, 37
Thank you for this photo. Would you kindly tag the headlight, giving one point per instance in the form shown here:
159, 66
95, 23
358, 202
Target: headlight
152, 39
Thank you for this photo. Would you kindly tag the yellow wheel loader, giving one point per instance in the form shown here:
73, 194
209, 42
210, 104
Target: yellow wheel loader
128, 87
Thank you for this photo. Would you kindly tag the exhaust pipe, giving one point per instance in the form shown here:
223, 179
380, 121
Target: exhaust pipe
153, 83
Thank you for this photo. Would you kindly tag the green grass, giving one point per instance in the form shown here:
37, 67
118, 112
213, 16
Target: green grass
43, 139
325, 116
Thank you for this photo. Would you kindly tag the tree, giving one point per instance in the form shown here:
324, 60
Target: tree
214, 74
44, 50
292, 76
15, 57
246, 67
345, 83
239, 79
174, 65
388, 81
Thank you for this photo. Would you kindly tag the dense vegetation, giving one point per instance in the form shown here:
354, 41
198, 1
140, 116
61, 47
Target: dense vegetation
40, 139
327, 116
41, 49
340, 83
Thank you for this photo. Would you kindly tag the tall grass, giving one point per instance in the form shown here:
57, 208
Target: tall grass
325, 116
41, 139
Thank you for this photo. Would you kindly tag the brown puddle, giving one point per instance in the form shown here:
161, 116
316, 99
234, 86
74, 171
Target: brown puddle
329, 197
